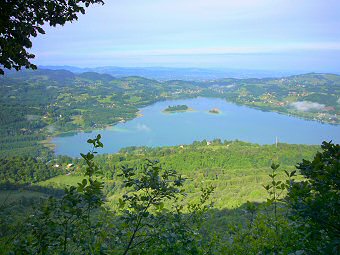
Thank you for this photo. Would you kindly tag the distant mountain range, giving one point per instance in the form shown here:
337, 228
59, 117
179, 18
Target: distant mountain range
170, 73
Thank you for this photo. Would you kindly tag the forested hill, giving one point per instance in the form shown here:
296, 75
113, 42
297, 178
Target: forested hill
42, 103
197, 198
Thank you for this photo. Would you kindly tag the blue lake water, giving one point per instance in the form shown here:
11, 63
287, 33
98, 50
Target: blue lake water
156, 128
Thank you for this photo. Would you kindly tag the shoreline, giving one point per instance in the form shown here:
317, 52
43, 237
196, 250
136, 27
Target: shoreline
48, 141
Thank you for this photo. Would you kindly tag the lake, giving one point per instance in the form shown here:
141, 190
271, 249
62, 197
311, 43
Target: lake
156, 128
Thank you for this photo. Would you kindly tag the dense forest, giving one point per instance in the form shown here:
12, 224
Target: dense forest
36, 105
227, 197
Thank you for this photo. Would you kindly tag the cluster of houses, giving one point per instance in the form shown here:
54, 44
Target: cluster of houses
186, 91
69, 167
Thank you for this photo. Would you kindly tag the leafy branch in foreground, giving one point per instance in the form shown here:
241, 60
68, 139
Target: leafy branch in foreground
268, 230
149, 190
153, 217
155, 220
315, 202
68, 225
304, 221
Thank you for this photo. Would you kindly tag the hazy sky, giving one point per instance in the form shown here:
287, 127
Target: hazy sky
250, 34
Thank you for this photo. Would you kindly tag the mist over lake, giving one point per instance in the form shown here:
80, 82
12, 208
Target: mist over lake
156, 128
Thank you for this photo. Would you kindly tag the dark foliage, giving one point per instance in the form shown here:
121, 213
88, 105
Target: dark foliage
22, 19
316, 202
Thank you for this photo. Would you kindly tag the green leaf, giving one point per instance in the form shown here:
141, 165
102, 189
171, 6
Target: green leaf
292, 173
84, 182
41, 30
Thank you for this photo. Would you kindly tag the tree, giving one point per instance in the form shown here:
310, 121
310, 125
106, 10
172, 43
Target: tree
315, 202
68, 225
22, 19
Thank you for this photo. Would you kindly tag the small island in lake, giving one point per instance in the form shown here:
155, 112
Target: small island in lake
215, 111
177, 108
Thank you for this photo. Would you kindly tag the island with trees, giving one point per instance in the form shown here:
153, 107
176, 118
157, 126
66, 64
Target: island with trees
215, 111
177, 108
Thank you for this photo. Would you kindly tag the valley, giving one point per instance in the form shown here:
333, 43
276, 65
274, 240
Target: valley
40, 104
209, 178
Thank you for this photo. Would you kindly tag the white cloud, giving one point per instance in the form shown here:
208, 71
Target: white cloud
143, 128
305, 106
